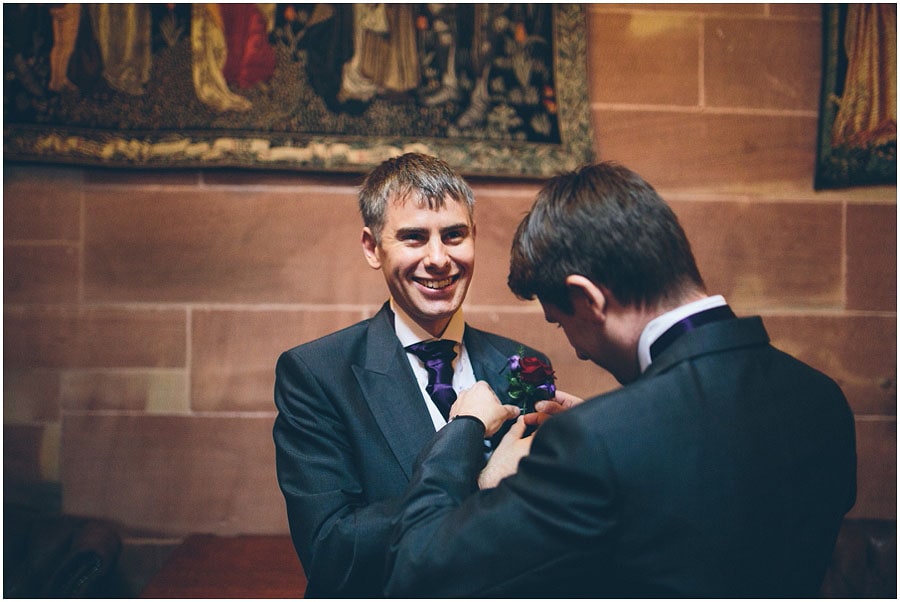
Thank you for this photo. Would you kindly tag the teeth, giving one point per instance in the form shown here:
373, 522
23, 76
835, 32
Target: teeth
436, 284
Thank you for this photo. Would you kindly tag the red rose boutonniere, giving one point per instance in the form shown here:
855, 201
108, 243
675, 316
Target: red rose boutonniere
530, 380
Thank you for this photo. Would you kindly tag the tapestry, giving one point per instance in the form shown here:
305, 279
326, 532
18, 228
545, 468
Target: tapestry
857, 142
494, 89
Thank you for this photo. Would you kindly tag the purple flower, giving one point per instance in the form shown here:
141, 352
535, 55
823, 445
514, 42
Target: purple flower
549, 388
514, 362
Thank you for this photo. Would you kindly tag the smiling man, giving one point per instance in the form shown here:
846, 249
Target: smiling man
356, 407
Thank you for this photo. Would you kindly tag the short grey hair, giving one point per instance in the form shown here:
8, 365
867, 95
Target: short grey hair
422, 178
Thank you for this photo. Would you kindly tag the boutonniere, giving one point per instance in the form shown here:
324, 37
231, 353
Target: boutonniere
530, 380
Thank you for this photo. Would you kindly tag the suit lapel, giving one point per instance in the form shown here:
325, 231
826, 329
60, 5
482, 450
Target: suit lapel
390, 388
488, 362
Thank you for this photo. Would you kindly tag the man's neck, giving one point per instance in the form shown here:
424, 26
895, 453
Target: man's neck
409, 331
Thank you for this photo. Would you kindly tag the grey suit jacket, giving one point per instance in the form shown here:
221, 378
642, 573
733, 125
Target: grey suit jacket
724, 471
351, 421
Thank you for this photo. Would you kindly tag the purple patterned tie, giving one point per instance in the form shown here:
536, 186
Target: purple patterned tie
438, 358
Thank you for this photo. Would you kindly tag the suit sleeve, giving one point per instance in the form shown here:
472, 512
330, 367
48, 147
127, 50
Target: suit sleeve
340, 537
449, 541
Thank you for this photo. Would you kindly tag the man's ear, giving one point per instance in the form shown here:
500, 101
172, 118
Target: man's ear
587, 298
370, 248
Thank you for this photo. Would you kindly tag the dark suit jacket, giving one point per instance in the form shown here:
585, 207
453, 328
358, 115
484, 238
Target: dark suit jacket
351, 421
724, 471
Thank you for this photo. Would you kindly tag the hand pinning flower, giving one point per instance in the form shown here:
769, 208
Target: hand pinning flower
530, 380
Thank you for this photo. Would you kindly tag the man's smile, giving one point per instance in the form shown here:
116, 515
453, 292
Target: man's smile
437, 284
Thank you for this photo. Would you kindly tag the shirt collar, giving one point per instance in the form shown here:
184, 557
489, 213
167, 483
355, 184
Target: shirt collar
658, 325
409, 332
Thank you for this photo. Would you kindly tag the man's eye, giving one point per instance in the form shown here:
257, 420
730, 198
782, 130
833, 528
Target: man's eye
454, 236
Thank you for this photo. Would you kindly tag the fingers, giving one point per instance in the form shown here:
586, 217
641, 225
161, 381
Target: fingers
535, 418
505, 459
517, 429
469, 400
514, 439
512, 411
549, 407
567, 400
480, 402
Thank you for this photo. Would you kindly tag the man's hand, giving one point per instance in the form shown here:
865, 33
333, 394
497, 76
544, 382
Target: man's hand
547, 408
505, 459
480, 402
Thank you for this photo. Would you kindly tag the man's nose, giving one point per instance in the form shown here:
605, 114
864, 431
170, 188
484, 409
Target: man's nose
436, 256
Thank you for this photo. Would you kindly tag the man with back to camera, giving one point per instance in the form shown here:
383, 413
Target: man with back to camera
356, 407
722, 468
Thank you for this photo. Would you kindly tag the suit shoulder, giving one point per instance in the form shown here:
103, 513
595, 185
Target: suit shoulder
340, 339
814, 380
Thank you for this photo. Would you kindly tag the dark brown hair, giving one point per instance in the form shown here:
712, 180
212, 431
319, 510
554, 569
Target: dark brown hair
606, 223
